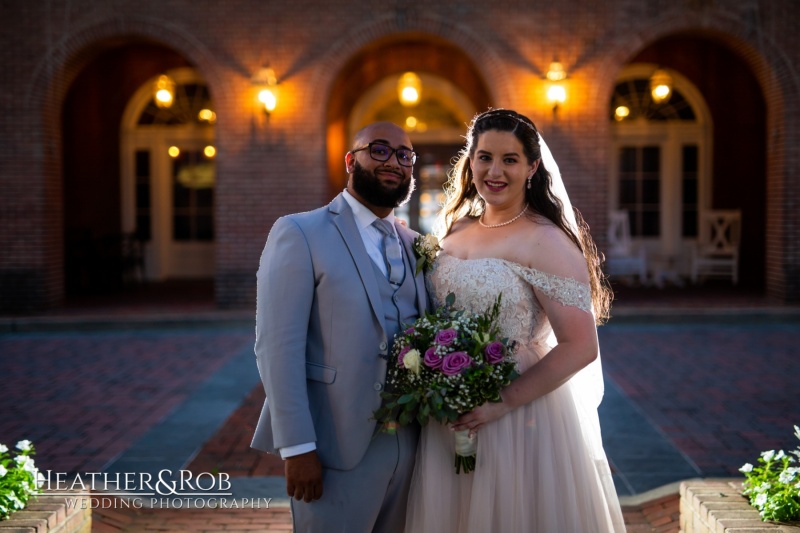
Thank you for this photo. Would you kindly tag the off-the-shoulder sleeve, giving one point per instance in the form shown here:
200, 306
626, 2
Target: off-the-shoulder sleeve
565, 291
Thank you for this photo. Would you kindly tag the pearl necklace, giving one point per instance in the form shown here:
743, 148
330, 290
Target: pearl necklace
506, 223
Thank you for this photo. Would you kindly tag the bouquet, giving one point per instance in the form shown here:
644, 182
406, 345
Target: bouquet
448, 363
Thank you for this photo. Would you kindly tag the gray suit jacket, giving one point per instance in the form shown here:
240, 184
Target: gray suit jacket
320, 337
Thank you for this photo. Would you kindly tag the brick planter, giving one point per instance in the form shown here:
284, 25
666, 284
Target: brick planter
718, 506
50, 514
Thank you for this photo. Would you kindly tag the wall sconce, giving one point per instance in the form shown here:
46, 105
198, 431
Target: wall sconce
164, 91
660, 86
267, 89
556, 93
409, 89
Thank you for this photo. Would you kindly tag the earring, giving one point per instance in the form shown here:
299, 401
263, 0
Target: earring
529, 181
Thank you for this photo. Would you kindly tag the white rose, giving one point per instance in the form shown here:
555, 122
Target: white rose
411, 360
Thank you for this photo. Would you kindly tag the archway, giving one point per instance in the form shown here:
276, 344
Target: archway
735, 123
92, 114
366, 90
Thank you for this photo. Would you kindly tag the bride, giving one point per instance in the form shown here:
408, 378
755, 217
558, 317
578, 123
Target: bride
510, 229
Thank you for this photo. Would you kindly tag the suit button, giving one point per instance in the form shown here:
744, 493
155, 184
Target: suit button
377, 386
383, 346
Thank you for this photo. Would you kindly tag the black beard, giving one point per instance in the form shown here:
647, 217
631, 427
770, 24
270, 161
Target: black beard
367, 185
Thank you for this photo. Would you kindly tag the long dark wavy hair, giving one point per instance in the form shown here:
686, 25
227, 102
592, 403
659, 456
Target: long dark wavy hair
462, 198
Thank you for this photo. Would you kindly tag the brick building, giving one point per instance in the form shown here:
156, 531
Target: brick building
91, 165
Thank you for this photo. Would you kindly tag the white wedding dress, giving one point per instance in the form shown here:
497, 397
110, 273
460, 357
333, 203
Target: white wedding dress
540, 468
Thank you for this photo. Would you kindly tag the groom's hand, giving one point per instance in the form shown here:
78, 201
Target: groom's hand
304, 477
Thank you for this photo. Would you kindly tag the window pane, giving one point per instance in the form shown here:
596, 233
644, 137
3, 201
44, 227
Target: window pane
640, 188
627, 160
142, 163
627, 193
205, 228
204, 198
651, 156
182, 229
650, 224
689, 192
650, 191
142, 192
143, 231
193, 196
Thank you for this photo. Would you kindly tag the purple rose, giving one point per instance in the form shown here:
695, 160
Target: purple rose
432, 359
446, 337
455, 362
494, 352
409, 331
402, 354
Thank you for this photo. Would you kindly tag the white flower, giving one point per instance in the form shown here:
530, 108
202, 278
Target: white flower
761, 499
786, 476
3, 448
24, 445
411, 360
26, 463
780, 455
797, 432
3, 471
747, 467
768, 455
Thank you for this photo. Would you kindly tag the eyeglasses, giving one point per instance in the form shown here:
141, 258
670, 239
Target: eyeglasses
381, 152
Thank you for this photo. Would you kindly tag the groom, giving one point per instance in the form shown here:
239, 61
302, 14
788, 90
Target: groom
334, 286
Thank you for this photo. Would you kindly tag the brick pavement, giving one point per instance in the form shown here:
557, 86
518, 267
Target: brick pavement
721, 393
685, 378
83, 398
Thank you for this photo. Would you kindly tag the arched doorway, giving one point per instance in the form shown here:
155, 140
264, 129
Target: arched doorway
660, 166
366, 90
168, 178
435, 126
96, 258
732, 161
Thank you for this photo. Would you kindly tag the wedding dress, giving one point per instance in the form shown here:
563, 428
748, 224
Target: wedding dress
540, 468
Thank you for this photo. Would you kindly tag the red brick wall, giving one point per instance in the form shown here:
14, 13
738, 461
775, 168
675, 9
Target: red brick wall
269, 169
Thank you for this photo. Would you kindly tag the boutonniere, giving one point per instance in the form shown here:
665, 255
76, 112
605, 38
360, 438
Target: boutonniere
425, 248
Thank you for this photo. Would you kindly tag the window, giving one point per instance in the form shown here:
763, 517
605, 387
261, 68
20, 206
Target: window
639, 188
193, 197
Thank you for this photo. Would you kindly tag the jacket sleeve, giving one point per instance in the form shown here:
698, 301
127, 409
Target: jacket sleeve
285, 297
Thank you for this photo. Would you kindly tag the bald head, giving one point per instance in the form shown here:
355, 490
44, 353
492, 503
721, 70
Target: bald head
382, 132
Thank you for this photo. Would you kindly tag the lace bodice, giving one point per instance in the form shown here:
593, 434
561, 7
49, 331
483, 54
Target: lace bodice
477, 282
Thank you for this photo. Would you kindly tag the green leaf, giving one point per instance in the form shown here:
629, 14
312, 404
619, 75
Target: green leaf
405, 398
420, 265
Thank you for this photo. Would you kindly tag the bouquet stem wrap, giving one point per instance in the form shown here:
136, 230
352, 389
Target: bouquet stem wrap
466, 450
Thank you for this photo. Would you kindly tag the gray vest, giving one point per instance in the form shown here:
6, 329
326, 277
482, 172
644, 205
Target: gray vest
399, 304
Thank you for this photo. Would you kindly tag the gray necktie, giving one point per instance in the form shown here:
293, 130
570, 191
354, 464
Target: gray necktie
391, 251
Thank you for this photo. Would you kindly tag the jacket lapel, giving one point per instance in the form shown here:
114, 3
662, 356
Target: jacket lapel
407, 238
346, 224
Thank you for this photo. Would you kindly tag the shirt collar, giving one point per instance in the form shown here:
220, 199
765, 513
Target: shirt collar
364, 217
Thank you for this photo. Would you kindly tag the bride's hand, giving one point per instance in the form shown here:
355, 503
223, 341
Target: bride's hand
480, 416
